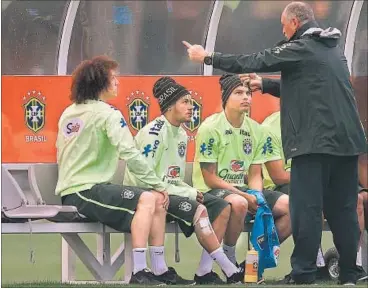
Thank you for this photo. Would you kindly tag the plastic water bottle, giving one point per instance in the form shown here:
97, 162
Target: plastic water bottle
251, 267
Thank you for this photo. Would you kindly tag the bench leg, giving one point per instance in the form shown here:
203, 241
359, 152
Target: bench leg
98, 271
128, 257
117, 260
67, 262
365, 251
103, 249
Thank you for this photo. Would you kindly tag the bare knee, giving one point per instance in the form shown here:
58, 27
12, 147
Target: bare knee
225, 213
239, 205
281, 207
360, 205
159, 202
201, 222
146, 202
201, 212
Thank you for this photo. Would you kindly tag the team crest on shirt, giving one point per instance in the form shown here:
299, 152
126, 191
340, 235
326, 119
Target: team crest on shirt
185, 206
195, 121
247, 145
138, 109
181, 149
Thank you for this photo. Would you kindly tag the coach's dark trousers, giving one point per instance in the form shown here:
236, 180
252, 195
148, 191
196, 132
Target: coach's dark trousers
321, 181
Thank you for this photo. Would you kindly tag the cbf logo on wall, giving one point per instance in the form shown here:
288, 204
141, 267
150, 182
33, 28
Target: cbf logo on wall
138, 105
195, 121
196, 118
34, 108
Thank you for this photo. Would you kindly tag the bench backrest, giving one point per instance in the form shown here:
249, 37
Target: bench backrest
12, 196
119, 173
43, 179
188, 174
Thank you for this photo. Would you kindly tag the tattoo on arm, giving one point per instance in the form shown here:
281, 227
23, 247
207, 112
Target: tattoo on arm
209, 167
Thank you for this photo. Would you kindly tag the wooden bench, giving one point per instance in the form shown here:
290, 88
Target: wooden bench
66, 220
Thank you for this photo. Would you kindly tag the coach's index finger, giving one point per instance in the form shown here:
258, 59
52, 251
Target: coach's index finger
187, 44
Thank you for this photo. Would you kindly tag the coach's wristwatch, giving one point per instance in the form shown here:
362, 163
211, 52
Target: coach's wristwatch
208, 60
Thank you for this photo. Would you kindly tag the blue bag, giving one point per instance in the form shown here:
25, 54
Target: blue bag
264, 236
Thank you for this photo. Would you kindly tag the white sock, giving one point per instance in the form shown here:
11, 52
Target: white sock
359, 257
158, 264
320, 260
225, 264
230, 253
205, 265
139, 259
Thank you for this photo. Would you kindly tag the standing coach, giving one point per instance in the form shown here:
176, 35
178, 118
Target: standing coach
321, 132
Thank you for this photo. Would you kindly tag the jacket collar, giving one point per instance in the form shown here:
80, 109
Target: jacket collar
303, 28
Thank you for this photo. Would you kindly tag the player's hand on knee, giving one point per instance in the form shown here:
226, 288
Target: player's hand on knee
199, 197
166, 200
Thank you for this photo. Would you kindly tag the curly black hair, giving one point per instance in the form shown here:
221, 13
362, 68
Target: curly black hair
91, 77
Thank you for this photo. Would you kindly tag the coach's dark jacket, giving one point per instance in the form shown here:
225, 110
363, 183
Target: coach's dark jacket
318, 107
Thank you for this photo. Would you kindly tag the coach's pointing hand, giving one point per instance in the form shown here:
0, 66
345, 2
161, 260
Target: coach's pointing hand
196, 53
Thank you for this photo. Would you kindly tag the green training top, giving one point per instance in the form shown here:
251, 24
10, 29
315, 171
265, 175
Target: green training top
233, 149
91, 139
272, 123
164, 146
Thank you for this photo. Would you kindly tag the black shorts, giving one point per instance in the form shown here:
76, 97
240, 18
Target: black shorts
271, 197
285, 188
110, 204
183, 210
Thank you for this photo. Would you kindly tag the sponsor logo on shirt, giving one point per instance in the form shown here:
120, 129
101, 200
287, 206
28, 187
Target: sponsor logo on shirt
237, 166
151, 149
181, 149
207, 148
173, 175
157, 126
123, 122
236, 178
73, 127
244, 132
267, 147
173, 172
